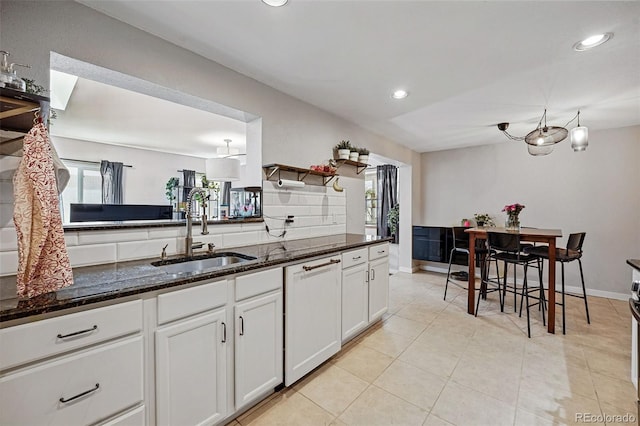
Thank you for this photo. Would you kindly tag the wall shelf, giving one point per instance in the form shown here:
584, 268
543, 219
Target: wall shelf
271, 170
360, 167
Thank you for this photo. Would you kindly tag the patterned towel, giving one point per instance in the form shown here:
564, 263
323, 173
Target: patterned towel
43, 262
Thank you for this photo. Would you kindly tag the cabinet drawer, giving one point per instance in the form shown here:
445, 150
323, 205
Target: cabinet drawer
190, 301
77, 390
378, 251
355, 257
30, 342
132, 418
258, 283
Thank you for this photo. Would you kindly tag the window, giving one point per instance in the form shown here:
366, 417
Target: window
85, 186
370, 197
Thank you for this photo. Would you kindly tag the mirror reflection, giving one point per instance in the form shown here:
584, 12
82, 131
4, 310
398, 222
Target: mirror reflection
128, 148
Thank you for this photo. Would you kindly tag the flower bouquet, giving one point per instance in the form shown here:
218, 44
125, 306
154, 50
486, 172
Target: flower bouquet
513, 210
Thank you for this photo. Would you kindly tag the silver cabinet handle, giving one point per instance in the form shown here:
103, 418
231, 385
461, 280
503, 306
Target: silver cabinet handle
373, 274
356, 258
224, 333
64, 401
241, 326
88, 330
311, 268
381, 251
367, 275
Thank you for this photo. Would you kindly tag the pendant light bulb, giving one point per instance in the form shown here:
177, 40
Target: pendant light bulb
579, 137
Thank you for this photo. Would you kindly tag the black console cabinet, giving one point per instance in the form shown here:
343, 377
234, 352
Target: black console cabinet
434, 243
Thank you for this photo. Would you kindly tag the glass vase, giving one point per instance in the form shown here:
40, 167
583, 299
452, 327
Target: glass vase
512, 223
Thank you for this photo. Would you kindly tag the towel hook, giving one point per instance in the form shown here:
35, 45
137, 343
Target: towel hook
36, 117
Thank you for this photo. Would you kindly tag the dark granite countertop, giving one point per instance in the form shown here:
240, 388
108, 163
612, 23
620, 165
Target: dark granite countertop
93, 284
635, 263
132, 224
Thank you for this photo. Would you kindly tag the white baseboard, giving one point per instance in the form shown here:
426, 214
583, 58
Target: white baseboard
408, 270
596, 293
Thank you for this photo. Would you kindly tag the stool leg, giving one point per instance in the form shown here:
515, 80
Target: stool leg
448, 274
564, 318
515, 290
504, 286
526, 295
584, 292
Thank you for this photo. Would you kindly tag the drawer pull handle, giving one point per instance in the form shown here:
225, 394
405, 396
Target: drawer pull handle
88, 330
357, 257
64, 401
381, 251
331, 262
241, 326
224, 333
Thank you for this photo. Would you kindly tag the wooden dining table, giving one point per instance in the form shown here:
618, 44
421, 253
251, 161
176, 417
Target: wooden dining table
537, 235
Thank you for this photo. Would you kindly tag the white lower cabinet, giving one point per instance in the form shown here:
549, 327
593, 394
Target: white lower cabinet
258, 347
81, 389
312, 315
191, 369
355, 293
378, 288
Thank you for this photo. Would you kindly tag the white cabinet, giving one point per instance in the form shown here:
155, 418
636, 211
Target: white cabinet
378, 288
312, 315
258, 347
355, 293
75, 369
191, 355
258, 335
191, 369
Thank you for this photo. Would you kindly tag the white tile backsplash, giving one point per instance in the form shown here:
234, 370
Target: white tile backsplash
317, 211
8, 262
92, 254
99, 237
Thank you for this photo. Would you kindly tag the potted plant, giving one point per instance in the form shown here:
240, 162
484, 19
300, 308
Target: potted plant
172, 183
363, 155
483, 219
353, 154
393, 217
344, 149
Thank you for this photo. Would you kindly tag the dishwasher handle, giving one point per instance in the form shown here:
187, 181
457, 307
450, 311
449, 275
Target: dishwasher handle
330, 262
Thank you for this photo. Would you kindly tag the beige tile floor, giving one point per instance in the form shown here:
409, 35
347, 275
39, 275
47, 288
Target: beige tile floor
430, 363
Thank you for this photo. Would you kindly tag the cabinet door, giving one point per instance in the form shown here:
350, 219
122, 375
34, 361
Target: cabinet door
312, 320
355, 300
191, 371
258, 345
378, 288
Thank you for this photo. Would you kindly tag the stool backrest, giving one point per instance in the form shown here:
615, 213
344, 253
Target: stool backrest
502, 241
460, 238
575, 241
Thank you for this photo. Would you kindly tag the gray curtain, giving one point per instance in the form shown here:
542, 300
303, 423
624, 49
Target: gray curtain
189, 179
387, 176
225, 194
111, 182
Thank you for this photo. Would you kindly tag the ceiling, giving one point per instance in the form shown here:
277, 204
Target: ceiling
466, 65
103, 113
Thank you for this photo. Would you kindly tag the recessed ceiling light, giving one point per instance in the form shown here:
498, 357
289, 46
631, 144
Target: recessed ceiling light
400, 94
593, 41
275, 3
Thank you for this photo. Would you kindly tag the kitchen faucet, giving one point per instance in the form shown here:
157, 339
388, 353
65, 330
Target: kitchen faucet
189, 244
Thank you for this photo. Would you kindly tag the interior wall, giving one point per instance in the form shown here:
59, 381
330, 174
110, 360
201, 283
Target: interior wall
595, 191
293, 132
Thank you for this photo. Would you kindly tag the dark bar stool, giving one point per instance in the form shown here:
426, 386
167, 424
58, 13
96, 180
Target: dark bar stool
506, 247
572, 252
461, 245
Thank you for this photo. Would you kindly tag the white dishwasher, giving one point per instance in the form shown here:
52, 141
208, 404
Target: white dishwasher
312, 315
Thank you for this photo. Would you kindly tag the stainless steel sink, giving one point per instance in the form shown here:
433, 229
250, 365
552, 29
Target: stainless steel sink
201, 263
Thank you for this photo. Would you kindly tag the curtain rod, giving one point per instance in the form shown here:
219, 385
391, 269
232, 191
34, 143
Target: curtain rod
90, 162
200, 173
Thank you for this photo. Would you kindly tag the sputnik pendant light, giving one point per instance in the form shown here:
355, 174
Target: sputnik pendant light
542, 140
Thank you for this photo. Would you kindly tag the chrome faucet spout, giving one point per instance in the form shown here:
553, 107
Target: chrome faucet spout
189, 239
